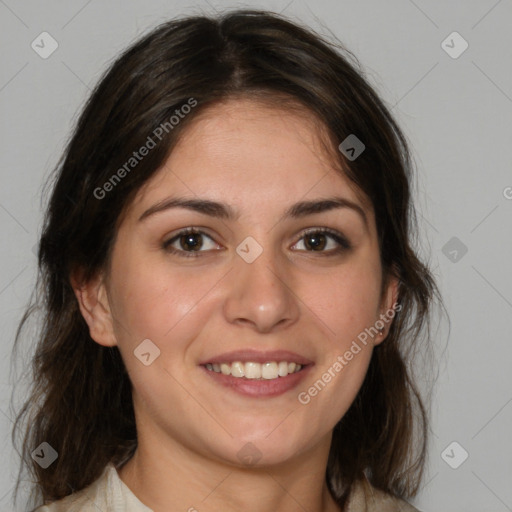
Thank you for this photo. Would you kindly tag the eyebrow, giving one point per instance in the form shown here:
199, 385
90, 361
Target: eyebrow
227, 212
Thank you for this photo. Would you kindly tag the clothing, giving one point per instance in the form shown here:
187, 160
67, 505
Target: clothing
110, 494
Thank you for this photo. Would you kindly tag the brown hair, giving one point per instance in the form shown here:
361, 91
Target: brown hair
80, 401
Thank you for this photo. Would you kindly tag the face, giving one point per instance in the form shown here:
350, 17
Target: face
264, 277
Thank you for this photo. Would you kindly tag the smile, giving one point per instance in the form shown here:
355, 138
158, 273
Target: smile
252, 370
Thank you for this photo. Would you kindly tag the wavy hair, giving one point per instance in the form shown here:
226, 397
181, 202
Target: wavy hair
80, 397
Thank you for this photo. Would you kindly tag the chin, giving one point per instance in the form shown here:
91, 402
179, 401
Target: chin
265, 447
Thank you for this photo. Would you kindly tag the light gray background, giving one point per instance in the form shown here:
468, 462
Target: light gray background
457, 114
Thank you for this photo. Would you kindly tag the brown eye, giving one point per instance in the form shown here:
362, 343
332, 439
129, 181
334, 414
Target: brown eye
190, 242
315, 241
324, 241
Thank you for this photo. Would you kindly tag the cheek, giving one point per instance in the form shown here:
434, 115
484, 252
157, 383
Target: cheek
153, 300
348, 302
349, 308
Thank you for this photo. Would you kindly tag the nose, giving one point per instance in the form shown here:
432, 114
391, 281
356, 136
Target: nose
260, 294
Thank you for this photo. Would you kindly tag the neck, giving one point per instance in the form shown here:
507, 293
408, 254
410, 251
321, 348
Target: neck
165, 475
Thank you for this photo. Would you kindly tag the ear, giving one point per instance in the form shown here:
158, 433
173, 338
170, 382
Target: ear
95, 308
388, 307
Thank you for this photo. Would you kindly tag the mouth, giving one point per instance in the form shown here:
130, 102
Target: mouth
252, 370
258, 374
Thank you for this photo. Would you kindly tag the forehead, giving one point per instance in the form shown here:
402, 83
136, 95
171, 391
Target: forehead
245, 148
260, 128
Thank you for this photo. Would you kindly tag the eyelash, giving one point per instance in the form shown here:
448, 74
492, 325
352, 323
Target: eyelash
343, 244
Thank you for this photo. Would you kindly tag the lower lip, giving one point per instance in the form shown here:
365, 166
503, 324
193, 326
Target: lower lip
260, 388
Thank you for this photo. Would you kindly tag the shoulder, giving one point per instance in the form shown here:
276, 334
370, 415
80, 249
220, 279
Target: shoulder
366, 498
108, 492
89, 499
77, 502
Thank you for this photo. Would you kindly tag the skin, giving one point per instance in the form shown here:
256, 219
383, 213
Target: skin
259, 160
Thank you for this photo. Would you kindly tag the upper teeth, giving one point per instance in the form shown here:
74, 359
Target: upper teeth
250, 370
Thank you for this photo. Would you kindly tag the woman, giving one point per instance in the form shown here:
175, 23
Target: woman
229, 286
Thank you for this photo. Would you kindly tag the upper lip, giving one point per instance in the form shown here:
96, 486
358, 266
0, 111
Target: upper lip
258, 356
